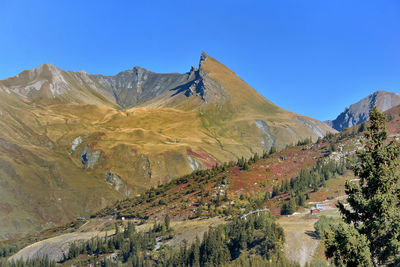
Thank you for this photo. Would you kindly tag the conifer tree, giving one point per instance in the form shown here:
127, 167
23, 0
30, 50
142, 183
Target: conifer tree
373, 221
167, 221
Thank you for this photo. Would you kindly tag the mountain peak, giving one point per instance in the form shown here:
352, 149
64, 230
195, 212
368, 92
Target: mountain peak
48, 66
358, 112
203, 56
138, 68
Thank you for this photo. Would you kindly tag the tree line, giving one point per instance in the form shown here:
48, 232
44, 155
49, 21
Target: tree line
308, 180
38, 262
244, 241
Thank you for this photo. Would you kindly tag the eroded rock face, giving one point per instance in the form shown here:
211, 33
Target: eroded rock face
313, 126
194, 164
203, 86
138, 85
75, 143
89, 158
269, 139
117, 182
358, 112
143, 165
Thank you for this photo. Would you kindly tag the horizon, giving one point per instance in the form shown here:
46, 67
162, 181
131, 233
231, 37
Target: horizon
308, 51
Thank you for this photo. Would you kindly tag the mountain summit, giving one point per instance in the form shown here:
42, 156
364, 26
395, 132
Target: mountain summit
358, 112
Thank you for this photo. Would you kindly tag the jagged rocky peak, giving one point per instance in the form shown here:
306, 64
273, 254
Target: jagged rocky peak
358, 112
203, 56
138, 86
201, 85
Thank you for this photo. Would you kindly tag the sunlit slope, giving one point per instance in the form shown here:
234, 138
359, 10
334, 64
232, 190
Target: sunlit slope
67, 148
40, 186
246, 116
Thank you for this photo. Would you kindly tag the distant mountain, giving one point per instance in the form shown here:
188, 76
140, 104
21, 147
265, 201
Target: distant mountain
49, 84
358, 112
72, 142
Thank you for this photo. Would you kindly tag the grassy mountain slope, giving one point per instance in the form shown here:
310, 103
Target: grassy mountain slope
63, 133
227, 192
231, 190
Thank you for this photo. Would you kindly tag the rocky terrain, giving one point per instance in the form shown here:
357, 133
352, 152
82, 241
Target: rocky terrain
358, 112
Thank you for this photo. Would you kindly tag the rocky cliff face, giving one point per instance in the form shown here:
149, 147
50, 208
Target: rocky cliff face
358, 112
138, 86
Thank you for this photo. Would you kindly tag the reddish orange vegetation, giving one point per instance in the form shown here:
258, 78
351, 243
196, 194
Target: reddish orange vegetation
266, 172
103, 154
181, 200
260, 177
393, 124
206, 159
96, 138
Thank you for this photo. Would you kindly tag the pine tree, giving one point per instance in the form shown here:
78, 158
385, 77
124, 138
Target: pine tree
218, 200
374, 217
245, 166
167, 221
291, 207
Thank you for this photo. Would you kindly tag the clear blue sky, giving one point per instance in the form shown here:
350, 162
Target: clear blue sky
310, 56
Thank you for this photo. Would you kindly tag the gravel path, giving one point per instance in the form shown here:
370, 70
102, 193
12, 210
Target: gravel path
54, 247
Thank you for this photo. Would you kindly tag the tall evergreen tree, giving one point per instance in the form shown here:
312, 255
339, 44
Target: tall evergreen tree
167, 221
374, 217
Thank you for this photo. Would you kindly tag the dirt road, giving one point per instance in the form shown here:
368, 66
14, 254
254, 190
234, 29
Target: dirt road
54, 247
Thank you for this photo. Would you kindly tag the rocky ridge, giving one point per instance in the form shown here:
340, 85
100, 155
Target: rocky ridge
358, 113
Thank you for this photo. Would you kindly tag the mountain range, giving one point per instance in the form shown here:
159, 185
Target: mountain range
72, 142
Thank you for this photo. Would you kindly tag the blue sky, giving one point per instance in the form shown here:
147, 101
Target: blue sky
313, 57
